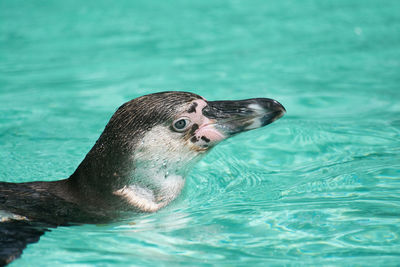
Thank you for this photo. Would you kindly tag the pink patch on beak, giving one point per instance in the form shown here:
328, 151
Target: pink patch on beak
210, 133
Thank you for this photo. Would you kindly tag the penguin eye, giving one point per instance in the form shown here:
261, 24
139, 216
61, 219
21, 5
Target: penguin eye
181, 124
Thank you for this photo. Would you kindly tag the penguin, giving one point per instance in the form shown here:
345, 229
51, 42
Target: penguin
138, 164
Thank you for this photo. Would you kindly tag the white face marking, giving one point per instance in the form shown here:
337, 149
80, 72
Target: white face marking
161, 162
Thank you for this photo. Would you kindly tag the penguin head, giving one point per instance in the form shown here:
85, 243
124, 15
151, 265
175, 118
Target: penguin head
170, 127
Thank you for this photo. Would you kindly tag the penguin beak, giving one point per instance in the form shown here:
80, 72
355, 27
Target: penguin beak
233, 117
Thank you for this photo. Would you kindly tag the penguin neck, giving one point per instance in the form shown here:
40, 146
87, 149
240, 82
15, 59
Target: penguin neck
142, 178
147, 186
105, 168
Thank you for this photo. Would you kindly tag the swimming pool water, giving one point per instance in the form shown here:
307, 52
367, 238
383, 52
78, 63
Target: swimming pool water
321, 186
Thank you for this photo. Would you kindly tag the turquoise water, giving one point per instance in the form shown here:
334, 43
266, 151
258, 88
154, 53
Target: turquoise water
321, 186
